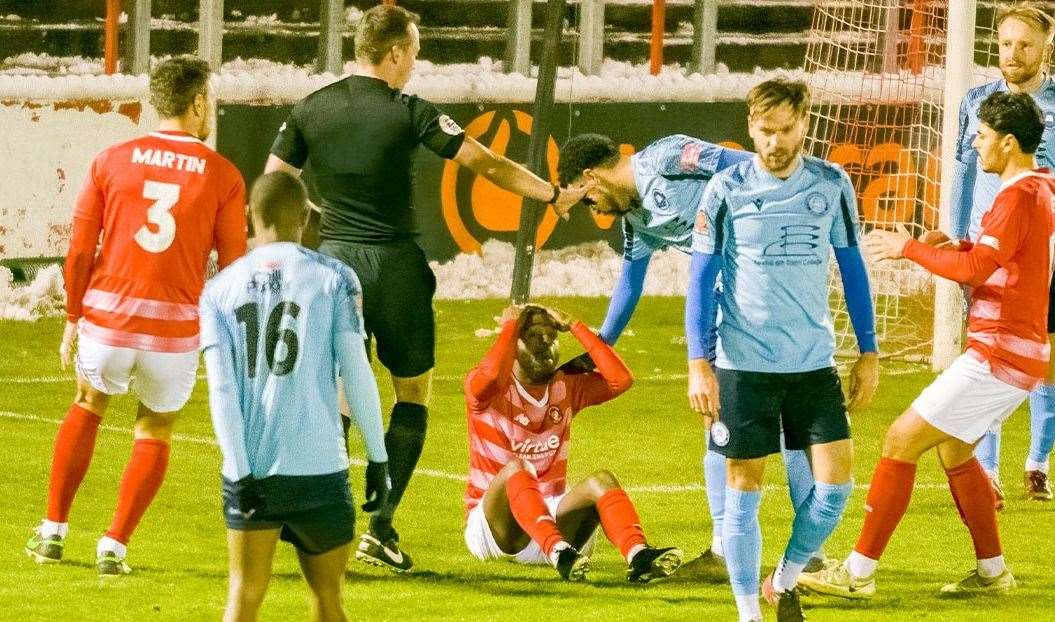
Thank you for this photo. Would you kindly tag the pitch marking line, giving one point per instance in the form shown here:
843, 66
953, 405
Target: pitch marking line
454, 477
447, 378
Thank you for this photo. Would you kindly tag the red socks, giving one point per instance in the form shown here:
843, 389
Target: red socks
975, 500
619, 520
887, 502
74, 445
139, 484
530, 510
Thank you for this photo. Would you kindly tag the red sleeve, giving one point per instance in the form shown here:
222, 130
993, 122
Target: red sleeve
1003, 229
493, 372
84, 238
230, 232
972, 266
612, 377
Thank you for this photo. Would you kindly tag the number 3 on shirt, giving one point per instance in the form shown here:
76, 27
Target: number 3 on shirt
165, 197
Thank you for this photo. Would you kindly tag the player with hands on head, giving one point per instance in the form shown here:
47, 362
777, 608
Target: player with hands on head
520, 409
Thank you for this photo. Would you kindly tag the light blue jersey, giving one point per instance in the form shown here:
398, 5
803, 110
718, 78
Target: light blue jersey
670, 175
275, 325
775, 237
973, 189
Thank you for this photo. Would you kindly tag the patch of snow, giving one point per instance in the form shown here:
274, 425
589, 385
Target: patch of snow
44, 297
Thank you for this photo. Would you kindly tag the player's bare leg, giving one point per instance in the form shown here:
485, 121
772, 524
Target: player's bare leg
140, 483
516, 513
325, 576
600, 500
74, 446
404, 441
908, 438
249, 560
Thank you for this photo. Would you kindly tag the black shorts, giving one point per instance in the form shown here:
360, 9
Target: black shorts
314, 513
398, 286
756, 406
1051, 308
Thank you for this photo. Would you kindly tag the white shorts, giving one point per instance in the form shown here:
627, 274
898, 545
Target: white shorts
163, 381
482, 545
965, 401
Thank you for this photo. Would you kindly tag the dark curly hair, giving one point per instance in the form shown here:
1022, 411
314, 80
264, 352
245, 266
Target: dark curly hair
585, 151
1016, 114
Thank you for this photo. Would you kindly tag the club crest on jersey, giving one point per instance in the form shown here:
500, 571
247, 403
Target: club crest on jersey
703, 224
449, 126
720, 434
659, 199
1049, 120
690, 156
817, 204
554, 414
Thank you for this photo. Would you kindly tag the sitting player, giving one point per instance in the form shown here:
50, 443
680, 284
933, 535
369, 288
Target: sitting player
520, 410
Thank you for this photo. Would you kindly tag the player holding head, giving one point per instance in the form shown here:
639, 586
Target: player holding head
276, 325
520, 409
361, 163
1007, 353
1024, 34
657, 192
768, 225
161, 203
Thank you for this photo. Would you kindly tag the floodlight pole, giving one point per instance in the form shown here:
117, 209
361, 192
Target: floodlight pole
543, 111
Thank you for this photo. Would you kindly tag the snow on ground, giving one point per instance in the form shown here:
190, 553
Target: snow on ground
262, 81
589, 269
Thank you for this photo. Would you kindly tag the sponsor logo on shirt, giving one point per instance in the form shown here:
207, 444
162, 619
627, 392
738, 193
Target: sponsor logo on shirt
817, 204
522, 419
536, 448
795, 241
449, 125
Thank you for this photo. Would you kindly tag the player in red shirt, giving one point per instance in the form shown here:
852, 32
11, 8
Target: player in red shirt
520, 409
162, 202
1009, 265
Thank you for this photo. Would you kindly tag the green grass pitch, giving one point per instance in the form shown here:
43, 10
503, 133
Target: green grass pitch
647, 437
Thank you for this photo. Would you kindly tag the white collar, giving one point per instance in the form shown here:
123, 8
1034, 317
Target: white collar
1017, 178
540, 403
182, 138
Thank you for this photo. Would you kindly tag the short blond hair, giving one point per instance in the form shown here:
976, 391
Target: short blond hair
774, 93
1029, 13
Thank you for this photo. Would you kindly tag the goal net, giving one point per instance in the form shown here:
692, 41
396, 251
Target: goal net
882, 84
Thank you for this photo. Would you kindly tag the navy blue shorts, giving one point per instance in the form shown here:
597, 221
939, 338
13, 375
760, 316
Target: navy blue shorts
398, 286
315, 513
755, 407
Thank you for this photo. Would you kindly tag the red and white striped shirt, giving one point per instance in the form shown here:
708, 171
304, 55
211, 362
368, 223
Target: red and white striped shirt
162, 203
1010, 267
507, 421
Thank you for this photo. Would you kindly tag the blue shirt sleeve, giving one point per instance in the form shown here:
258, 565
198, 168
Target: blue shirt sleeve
684, 155
625, 297
699, 304
224, 391
858, 292
731, 157
708, 231
360, 385
845, 225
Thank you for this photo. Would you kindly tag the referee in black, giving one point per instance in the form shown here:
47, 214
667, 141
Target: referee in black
360, 135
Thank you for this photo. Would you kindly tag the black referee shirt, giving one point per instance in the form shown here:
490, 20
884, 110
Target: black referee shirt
360, 137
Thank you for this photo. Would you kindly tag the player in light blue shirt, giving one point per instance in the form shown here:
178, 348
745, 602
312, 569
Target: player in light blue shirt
1024, 35
657, 192
768, 226
276, 326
